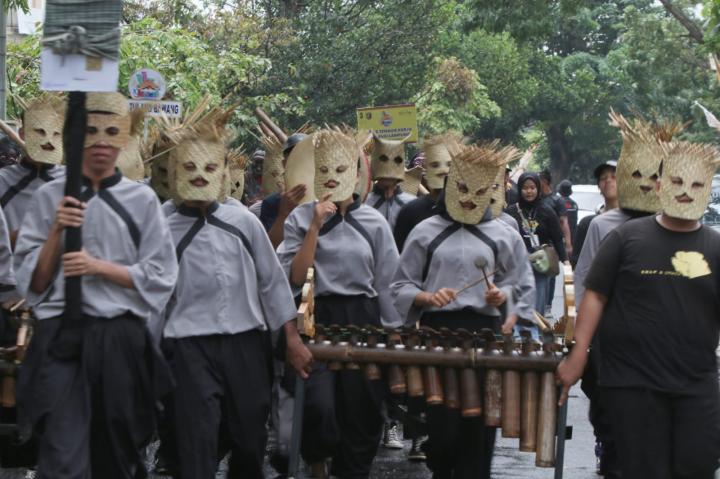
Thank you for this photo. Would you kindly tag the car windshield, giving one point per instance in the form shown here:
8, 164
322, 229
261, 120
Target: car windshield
587, 200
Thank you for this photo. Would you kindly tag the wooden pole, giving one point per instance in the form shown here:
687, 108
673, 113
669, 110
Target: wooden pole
73, 142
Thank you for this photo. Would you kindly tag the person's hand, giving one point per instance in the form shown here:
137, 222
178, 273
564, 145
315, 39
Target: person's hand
290, 199
70, 213
440, 298
569, 371
509, 324
299, 356
323, 209
494, 296
568, 250
79, 263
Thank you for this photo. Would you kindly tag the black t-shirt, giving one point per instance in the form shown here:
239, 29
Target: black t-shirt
571, 209
579, 238
661, 324
410, 216
557, 204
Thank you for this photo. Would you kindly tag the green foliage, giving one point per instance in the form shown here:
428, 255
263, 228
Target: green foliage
454, 99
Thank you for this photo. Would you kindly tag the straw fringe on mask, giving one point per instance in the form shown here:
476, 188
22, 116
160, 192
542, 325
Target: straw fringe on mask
639, 165
336, 164
438, 152
686, 182
237, 161
44, 118
472, 179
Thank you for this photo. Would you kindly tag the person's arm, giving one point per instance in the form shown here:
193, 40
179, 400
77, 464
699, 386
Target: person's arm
288, 201
571, 369
552, 225
567, 238
600, 285
306, 255
70, 213
80, 263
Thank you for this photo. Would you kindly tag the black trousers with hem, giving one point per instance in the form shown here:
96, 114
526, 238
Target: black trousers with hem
666, 436
92, 414
342, 417
457, 447
222, 400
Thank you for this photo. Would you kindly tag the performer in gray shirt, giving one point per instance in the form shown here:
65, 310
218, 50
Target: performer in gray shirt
42, 132
351, 247
387, 163
442, 255
231, 289
89, 386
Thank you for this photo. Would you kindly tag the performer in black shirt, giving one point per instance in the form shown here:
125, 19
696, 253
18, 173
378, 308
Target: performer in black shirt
653, 294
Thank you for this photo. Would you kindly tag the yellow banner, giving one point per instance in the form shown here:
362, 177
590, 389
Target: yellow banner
392, 122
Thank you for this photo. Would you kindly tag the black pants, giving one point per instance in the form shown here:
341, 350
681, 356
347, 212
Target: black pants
663, 436
457, 447
93, 414
342, 416
223, 392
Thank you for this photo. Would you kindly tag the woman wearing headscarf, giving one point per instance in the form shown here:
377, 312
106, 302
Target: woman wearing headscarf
539, 225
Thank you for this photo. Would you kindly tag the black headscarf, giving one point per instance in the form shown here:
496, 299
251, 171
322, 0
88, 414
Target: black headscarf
524, 204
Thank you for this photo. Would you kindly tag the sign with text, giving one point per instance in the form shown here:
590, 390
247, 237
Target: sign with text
171, 109
77, 72
390, 122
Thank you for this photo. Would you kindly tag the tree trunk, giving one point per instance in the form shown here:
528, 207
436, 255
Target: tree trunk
693, 29
560, 154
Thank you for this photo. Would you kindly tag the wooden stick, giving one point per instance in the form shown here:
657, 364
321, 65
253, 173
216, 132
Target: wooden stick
476, 282
277, 131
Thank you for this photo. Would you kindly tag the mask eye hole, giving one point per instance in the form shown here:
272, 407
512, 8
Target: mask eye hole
383, 158
481, 191
91, 130
39, 131
211, 168
462, 187
398, 160
324, 169
697, 184
341, 169
654, 177
112, 131
189, 166
435, 164
636, 174
676, 180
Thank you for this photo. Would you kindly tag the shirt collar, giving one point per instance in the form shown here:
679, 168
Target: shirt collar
108, 182
35, 167
186, 210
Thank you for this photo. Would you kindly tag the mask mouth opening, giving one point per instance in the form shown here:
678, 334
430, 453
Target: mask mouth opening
683, 198
48, 147
199, 182
331, 184
645, 188
467, 205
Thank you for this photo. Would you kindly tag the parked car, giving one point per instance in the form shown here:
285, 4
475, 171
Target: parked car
588, 198
712, 213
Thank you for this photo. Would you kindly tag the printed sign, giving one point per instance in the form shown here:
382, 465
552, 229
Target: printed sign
146, 84
391, 122
171, 109
77, 72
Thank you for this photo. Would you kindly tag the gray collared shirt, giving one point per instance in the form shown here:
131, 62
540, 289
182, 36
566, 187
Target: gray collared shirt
389, 208
123, 224
230, 280
7, 274
440, 253
599, 228
355, 254
17, 185
170, 207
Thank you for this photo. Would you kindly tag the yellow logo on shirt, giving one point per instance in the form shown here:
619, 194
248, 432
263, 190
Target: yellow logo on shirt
690, 264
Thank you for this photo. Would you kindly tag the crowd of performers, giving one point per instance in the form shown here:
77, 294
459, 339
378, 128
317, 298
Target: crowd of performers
190, 292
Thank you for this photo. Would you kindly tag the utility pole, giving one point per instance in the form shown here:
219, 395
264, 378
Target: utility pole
3, 54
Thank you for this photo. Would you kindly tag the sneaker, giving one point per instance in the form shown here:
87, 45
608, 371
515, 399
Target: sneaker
416, 453
30, 474
391, 437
